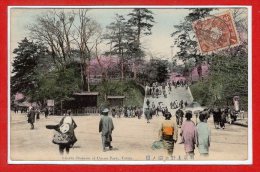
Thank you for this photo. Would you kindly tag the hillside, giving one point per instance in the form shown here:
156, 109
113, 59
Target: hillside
134, 95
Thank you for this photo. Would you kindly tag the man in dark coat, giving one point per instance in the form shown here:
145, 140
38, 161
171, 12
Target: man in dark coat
46, 112
31, 117
106, 127
179, 117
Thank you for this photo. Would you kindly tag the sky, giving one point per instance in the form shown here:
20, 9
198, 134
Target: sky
158, 44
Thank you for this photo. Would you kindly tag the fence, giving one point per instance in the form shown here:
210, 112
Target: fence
86, 111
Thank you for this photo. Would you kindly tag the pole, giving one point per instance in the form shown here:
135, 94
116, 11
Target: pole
53, 107
61, 107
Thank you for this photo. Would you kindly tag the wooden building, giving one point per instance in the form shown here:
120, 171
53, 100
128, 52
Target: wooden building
116, 100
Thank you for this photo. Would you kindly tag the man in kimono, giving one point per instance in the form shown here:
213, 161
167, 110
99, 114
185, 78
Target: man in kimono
106, 127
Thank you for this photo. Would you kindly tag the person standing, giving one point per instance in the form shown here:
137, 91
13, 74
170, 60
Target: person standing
189, 135
148, 114
203, 137
113, 112
128, 112
168, 133
139, 114
157, 92
148, 102
37, 113
106, 127
153, 105
186, 104
119, 112
46, 112
31, 117
181, 104
158, 109
179, 117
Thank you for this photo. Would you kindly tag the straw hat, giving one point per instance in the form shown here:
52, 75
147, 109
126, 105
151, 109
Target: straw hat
105, 110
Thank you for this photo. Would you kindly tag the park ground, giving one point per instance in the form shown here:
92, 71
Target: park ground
132, 141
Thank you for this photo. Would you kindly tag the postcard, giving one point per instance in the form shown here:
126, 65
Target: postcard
130, 85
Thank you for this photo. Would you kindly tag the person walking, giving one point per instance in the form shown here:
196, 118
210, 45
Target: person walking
37, 112
153, 105
179, 117
106, 127
128, 112
64, 135
31, 117
181, 104
189, 135
168, 133
67, 126
46, 112
119, 112
148, 114
203, 137
113, 112
139, 114
148, 102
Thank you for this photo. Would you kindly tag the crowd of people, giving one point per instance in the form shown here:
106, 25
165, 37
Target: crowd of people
157, 89
178, 104
127, 112
191, 135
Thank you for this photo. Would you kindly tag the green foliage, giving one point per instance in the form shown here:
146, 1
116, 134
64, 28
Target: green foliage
58, 85
24, 77
228, 78
156, 71
162, 71
184, 35
132, 93
228, 68
143, 20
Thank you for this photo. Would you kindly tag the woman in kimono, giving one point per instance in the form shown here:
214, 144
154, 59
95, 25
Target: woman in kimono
189, 135
67, 119
203, 137
65, 136
168, 133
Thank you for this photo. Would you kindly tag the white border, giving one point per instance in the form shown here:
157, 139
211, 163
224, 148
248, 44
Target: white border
250, 142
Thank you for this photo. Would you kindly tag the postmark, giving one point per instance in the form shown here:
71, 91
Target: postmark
216, 33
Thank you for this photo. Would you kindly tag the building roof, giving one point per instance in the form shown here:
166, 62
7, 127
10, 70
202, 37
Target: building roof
115, 97
86, 94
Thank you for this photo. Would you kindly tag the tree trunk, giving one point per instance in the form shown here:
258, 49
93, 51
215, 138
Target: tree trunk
85, 77
122, 70
134, 70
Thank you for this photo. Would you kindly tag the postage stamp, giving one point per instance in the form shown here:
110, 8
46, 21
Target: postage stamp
216, 32
119, 85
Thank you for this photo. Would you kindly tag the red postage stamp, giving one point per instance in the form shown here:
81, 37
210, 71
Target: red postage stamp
216, 32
